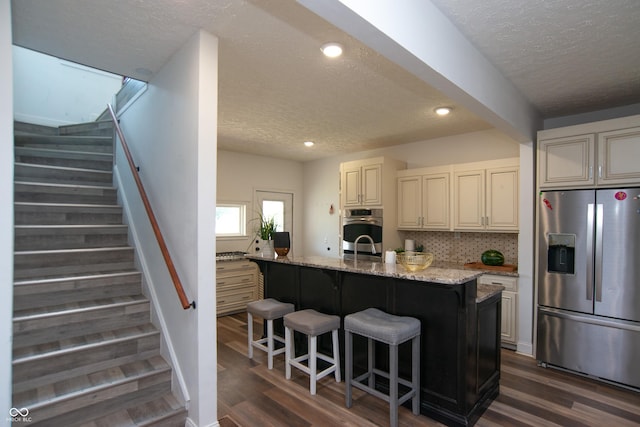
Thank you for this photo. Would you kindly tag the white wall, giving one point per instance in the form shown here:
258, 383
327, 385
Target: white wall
55, 92
6, 212
239, 175
171, 129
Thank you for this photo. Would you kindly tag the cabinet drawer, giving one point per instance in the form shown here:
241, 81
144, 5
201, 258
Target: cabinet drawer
509, 283
234, 267
235, 296
234, 281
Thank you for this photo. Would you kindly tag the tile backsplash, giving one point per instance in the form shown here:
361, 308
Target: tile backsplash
461, 247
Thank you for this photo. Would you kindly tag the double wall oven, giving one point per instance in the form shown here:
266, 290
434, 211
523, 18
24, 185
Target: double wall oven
362, 222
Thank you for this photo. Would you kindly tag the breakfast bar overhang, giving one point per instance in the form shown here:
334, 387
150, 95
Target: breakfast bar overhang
460, 321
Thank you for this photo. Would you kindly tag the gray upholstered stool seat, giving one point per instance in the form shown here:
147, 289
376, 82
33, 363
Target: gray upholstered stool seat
312, 324
268, 309
393, 330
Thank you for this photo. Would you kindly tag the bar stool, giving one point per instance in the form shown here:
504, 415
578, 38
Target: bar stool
312, 324
393, 330
268, 309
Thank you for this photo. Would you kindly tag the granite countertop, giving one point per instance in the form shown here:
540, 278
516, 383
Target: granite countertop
438, 272
449, 273
484, 292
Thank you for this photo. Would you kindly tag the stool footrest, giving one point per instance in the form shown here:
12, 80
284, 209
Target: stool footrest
357, 382
261, 344
297, 362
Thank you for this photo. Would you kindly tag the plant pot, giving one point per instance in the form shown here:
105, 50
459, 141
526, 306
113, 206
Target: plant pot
265, 248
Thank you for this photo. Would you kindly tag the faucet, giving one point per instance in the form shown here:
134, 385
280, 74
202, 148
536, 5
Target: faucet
355, 246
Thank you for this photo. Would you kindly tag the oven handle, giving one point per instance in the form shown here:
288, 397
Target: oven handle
368, 221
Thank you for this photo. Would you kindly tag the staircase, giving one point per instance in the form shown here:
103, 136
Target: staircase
84, 350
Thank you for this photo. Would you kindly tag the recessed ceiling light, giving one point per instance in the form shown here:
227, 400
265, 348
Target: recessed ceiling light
308, 143
331, 50
442, 111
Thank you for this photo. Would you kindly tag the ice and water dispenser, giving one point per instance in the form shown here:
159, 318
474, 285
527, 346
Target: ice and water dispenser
561, 253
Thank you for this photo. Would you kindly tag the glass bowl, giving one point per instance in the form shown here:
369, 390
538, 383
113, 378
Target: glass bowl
415, 261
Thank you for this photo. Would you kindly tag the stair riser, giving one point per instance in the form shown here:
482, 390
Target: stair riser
64, 194
73, 263
69, 240
50, 293
103, 165
79, 411
66, 326
31, 173
35, 373
95, 144
47, 216
99, 128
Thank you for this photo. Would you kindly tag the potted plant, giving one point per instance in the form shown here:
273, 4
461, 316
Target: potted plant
266, 227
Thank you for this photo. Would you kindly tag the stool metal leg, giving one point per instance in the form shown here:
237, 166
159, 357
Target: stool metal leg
348, 367
336, 354
393, 385
250, 333
313, 361
415, 373
289, 351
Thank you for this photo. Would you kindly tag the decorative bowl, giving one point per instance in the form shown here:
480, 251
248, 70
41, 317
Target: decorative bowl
415, 261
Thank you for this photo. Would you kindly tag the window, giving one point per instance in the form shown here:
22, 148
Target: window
231, 220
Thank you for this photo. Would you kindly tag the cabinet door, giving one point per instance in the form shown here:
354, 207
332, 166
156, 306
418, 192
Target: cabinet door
435, 201
502, 199
351, 186
509, 317
619, 156
566, 162
409, 201
469, 200
371, 185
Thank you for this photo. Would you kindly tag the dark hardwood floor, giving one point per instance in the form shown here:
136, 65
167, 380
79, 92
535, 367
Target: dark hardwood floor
249, 395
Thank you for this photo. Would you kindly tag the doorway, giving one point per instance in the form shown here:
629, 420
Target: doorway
278, 205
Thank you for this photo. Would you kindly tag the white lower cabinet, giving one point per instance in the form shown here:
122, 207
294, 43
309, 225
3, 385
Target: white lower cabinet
236, 285
509, 330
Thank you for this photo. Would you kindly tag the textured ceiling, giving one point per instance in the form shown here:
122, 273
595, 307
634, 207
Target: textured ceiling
565, 56
276, 90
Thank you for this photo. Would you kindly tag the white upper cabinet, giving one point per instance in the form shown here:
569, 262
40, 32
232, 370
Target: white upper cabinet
364, 182
480, 196
566, 161
486, 199
595, 154
423, 199
619, 157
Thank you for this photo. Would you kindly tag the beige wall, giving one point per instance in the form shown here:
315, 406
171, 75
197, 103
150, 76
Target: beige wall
240, 175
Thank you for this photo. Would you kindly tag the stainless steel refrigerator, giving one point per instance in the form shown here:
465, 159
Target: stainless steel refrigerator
589, 282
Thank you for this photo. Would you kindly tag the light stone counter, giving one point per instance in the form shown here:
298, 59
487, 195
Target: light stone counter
437, 273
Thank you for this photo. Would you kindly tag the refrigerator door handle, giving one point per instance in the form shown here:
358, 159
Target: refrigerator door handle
590, 214
598, 254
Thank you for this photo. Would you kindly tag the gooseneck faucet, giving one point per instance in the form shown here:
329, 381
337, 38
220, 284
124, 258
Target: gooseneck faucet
355, 246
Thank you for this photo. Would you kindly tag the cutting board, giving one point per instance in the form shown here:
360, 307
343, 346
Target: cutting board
480, 266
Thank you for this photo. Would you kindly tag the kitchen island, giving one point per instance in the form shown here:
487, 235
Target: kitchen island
460, 339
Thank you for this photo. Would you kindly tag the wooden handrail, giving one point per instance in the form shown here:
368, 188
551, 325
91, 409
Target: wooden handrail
152, 218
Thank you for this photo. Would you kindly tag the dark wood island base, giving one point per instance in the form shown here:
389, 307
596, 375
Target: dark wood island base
460, 338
